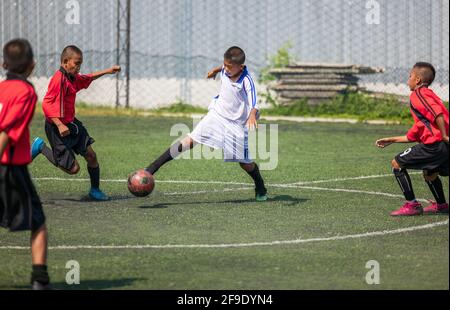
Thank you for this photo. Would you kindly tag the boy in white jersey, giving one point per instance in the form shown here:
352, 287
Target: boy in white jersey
231, 115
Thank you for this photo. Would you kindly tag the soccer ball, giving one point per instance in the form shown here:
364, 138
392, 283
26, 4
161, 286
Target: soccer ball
141, 183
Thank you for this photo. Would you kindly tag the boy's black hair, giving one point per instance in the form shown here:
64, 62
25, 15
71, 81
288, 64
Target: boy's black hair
17, 56
235, 54
69, 51
426, 71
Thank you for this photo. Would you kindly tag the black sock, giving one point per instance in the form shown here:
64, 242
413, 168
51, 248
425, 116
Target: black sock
165, 157
40, 274
49, 154
259, 182
437, 190
404, 181
94, 174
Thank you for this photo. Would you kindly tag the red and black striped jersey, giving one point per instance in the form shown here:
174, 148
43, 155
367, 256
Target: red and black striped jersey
425, 107
17, 103
59, 101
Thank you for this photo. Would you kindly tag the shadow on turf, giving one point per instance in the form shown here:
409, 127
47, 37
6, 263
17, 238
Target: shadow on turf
284, 198
90, 284
83, 199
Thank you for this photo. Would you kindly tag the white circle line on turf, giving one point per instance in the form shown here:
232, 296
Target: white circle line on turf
356, 191
287, 185
238, 245
220, 182
208, 192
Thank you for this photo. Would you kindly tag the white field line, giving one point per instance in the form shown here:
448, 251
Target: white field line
238, 245
356, 191
296, 241
287, 185
158, 181
348, 179
209, 191
221, 182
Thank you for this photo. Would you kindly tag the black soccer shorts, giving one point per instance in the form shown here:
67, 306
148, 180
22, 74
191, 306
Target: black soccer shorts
428, 157
65, 148
20, 206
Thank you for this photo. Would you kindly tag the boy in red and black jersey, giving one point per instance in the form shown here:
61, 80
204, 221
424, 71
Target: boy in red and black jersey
66, 134
20, 206
430, 130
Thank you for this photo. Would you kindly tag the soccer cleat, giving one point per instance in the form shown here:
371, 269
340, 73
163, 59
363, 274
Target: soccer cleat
436, 208
36, 147
97, 194
261, 197
38, 286
409, 209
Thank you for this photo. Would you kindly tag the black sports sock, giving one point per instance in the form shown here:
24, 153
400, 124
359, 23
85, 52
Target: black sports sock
40, 274
437, 189
165, 157
49, 154
259, 182
94, 174
404, 181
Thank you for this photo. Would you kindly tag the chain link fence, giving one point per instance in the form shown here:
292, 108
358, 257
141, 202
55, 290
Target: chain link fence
173, 43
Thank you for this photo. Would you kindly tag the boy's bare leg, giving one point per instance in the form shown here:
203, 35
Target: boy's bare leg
74, 170
39, 256
39, 246
184, 145
48, 153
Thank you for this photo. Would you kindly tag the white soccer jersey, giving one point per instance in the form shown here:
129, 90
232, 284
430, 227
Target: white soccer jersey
236, 99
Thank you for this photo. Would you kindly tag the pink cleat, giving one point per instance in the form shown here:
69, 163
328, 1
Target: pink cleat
409, 209
436, 208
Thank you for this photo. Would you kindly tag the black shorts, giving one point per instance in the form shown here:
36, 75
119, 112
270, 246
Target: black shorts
431, 158
20, 206
65, 148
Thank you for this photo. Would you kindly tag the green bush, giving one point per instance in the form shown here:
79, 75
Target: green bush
352, 105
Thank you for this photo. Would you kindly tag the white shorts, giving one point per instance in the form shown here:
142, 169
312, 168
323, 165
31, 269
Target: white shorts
220, 133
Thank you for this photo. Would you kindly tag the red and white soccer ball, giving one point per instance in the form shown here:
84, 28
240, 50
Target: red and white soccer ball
141, 183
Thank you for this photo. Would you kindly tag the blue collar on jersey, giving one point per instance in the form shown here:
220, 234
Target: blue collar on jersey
243, 75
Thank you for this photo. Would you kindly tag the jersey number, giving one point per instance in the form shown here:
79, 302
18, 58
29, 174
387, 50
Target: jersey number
406, 152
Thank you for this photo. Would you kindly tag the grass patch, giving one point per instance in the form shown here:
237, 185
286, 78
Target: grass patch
210, 213
354, 105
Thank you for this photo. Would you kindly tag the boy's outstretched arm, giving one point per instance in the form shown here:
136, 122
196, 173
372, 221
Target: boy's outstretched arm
3, 142
382, 143
440, 122
212, 74
112, 70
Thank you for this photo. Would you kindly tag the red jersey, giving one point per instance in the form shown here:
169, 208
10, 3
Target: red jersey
17, 103
59, 101
425, 107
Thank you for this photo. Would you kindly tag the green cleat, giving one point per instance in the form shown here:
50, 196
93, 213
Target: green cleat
261, 197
